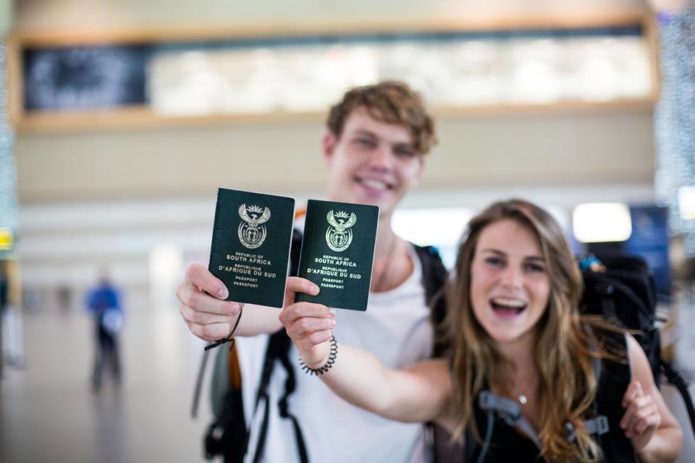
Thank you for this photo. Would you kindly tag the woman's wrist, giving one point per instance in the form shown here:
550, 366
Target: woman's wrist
322, 367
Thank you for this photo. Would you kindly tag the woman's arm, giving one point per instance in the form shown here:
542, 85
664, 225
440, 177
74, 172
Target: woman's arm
653, 430
420, 393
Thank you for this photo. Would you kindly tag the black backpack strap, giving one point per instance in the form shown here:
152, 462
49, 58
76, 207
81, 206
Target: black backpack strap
434, 277
278, 350
290, 385
615, 376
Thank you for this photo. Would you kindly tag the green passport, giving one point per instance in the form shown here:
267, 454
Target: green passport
338, 252
251, 245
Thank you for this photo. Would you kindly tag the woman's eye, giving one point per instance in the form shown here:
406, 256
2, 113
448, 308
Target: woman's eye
535, 268
494, 261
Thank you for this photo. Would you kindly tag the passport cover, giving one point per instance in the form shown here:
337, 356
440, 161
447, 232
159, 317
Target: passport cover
338, 252
251, 245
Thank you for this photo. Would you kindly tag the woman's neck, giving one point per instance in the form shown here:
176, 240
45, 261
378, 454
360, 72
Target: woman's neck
524, 378
519, 352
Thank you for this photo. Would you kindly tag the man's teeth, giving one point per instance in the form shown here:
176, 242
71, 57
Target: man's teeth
376, 184
508, 302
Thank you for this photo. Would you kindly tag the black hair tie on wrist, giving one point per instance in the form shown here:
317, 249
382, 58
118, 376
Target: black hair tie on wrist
329, 364
228, 339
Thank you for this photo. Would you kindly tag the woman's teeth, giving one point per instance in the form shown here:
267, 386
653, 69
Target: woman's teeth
508, 304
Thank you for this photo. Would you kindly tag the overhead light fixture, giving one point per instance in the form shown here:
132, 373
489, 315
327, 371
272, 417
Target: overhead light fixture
686, 202
6, 239
601, 222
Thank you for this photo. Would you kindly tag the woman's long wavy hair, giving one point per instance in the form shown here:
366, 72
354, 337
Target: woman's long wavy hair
567, 382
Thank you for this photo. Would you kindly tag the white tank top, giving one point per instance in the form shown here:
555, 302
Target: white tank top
396, 329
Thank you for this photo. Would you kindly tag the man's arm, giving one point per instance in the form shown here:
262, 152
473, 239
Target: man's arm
210, 317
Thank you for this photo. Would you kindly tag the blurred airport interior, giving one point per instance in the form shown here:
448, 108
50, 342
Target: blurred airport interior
119, 121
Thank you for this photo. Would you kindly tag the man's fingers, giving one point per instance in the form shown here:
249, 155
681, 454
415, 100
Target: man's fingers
203, 318
203, 302
212, 332
200, 277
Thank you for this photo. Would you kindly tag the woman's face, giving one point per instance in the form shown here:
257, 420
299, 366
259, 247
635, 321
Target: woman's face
510, 286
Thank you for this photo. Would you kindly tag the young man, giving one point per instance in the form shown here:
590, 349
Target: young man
375, 146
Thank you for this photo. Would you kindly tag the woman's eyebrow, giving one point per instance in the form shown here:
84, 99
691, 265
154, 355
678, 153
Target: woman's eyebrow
493, 251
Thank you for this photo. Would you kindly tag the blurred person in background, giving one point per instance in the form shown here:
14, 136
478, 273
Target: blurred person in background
104, 305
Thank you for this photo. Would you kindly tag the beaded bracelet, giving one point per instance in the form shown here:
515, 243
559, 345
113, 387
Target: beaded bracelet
329, 364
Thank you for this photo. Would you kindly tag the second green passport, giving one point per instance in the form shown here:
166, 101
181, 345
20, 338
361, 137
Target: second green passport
338, 252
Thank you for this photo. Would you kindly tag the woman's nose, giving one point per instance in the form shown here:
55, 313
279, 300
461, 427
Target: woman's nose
512, 277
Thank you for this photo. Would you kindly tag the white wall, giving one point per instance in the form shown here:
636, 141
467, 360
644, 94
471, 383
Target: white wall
496, 150
72, 13
5, 16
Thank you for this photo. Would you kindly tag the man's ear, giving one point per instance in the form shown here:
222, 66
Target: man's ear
421, 168
328, 143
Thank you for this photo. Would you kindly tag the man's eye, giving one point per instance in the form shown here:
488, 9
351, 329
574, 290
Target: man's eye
366, 142
404, 152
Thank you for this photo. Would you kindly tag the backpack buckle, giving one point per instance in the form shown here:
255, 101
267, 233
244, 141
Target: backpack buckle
598, 425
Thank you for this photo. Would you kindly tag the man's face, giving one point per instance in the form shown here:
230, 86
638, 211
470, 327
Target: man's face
371, 163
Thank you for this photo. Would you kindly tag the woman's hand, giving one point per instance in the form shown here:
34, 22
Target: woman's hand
309, 325
641, 418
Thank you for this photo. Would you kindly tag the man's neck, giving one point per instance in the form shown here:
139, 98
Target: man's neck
385, 238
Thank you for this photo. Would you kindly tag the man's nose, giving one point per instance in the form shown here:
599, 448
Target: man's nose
382, 158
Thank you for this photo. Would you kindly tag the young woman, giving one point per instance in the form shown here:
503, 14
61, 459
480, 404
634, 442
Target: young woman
528, 379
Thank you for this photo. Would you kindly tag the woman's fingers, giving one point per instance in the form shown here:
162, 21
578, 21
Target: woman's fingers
305, 326
310, 327
296, 285
294, 312
641, 416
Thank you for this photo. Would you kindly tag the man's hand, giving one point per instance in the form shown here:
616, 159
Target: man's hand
203, 306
